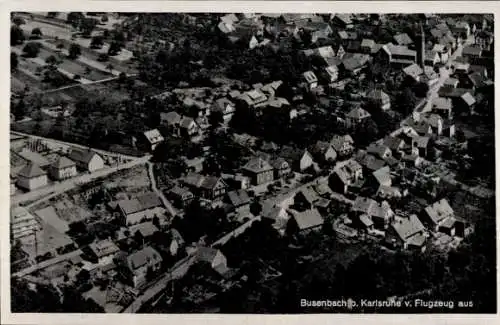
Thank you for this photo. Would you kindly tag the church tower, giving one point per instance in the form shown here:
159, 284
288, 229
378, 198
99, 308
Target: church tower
420, 46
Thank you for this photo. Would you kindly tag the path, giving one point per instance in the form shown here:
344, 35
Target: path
166, 203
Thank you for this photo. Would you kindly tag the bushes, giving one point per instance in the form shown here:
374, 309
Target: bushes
32, 49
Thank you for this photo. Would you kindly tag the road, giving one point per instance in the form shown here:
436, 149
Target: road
444, 74
166, 203
64, 186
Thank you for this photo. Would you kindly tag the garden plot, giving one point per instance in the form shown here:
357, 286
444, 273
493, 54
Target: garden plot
48, 30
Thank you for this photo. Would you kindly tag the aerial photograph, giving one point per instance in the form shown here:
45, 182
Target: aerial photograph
252, 163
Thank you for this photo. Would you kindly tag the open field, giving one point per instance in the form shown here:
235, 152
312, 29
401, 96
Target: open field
48, 30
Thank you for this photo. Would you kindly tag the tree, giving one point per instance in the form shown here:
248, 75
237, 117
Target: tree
114, 48
16, 35
32, 49
18, 21
406, 102
19, 110
14, 61
87, 25
60, 46
104, 19
110, 67
51, 60
52, 14
97, 42
36, 32
122, 77
103, 57
74, 51
256, 208
74, 18
215, 119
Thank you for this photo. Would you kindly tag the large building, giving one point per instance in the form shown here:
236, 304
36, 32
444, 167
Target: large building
31, 177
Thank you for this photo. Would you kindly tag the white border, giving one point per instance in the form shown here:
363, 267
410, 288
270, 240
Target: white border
211, 6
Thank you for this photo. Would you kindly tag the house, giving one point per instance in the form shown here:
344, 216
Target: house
87, 159
438, 214
461, 29
208, 187
136, 267
467, 103
381, 214
431, 58
103, 251
226, 107
188, 126
253, 98
239, 200
343, 145
442, 106
176, 242
382, 176
305, 221
345, 175
367, 46
324, 54
143, 230
356, 116
63, 168
369, 162
398, 54
34, 158
395, 144
353, 63
380, 150
472, 52
403, 39
310, 79
31, 177
451, 82
181, 197
144, 207
353, 46
443, 52
281, 168
408, 233
422, 143
304, 199
341, 20
484, 39
278, 216
379, 99
299, 160
323, 151
331, 73
153, 138
413, 71
259, 171
212, 257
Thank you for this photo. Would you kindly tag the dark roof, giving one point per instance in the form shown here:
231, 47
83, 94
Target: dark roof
83, 156
257, 165
146, 229
143, 257
63, 162
352, 61
307, 219
31, 170
238, 197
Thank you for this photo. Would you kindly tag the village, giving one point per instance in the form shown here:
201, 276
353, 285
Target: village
369, 143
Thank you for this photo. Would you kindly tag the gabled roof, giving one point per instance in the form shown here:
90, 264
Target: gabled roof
468, 99
353, 61
442, 103
143, 257
399, 50
406, 228
358, 113
393, 143
472, 50
309, 194
238, 197
83, 156
307, 219
379, 95
257, 165
171, 117
149, 200
403, 39
63, 162
104, 248
439, 211
422, 141
364, 205
413, 70
367, 43
383, 175
378, 149
180, 191
153, 136
344, 18
338, 141
31, 170
34, 157
146, 229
